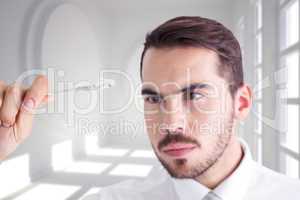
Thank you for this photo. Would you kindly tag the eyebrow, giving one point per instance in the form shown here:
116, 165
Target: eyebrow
191, 87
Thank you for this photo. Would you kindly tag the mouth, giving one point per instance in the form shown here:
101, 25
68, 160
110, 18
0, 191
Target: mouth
178, 149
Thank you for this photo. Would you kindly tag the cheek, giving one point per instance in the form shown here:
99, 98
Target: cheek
152, 125
212, 107
151, 109
204, 106
152, 122
203, 113
206, 125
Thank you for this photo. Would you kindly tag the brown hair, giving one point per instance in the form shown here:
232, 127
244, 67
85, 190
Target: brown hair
195, 31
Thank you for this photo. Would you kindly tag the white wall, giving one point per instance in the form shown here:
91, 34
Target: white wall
243, 28
51, 34
12, 14
109, 36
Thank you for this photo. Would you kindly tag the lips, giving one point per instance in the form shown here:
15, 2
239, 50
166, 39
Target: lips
178, 149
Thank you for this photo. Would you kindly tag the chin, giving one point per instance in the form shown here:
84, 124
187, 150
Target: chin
183, 167
177, 167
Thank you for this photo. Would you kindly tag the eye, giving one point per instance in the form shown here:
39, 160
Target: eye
153, 99
194, 96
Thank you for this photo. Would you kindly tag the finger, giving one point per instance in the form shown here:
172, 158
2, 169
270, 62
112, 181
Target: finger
33, 98
10, 105
48, 98
36, 94
2, 89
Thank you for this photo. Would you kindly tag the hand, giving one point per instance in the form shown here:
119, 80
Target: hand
17, 106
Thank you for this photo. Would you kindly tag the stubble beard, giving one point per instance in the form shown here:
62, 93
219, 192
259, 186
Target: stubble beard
181, 168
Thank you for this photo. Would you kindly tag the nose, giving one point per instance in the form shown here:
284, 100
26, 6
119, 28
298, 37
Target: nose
173, 116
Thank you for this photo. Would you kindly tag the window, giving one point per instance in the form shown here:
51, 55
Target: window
289, 65
290, 165
289, 24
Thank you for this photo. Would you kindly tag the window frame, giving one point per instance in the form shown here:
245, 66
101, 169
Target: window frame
283, 52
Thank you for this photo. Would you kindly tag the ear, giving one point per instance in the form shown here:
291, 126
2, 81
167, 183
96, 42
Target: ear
242, 102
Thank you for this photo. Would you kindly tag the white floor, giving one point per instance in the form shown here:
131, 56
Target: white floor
107, 166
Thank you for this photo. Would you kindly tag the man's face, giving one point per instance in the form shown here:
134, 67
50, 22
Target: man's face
188, 108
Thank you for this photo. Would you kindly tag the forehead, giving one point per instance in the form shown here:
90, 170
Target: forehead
180, 66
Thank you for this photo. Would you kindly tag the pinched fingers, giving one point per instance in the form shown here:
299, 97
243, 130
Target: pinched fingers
11, 97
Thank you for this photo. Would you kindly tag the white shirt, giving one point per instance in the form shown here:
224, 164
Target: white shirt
248, 182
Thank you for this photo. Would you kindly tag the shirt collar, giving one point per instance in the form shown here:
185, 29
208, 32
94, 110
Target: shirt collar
188, 189
233, 187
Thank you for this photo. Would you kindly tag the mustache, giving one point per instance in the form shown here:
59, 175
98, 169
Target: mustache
171, 138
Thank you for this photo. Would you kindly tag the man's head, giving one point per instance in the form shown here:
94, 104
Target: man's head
193, 87
201, 33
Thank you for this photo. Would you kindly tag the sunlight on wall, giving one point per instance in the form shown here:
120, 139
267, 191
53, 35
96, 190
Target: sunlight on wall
49, 192
62, 159
62, 155
91, 191
292, 166
143, 154
131, 170
91, 144
92, 148
87, 167
11, 170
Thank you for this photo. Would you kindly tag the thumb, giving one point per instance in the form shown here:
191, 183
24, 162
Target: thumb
32, 99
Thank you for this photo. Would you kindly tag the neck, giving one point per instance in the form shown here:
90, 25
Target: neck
224, 166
